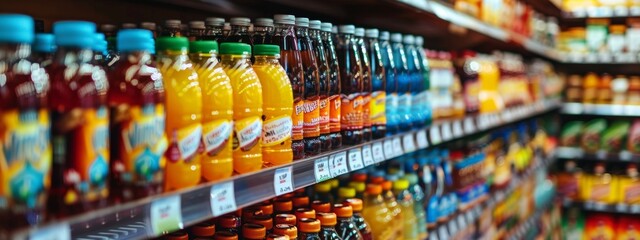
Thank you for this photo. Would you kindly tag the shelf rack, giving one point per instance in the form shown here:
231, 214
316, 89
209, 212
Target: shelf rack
579, 154
153, 216
603, 207
600, 109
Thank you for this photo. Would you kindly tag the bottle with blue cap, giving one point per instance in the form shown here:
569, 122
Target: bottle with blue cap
311, 129
403, 79
423, 62
80, 118
137, 119
418, 93
24, 119
378, 84
43, 48
334, 84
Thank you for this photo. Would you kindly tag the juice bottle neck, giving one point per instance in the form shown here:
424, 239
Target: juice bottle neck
237, 30
68, 55
214, 30
283, 30
232, 58
10, 51
141, 57
302, 32
266, 59
262, 30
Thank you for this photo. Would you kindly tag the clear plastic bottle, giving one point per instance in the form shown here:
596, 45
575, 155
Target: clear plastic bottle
239, 31
403, 81
376, 213
405, 200
345, 226
425, 71
419, 204
363, 50
378, 85
309, 229
351, 86
414, 66
328, 222
364, 227
394, 209
391, 87
286, 229
262, 31
197, 30
334, 85
311, 129
315, 33
214, 29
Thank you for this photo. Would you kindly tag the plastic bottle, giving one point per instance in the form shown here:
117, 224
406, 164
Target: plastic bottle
321, 207
253, 232
214, 29
262, 31
197, 30
311, 130
424, 66
323, 192
247, 107
405, 200
320, 52
277, 105
376, 213
138, 141
419, 205
345, 193
360, 187
264, 220
285, 218
328, 223
364, 227
345, 226
229, 223
284, 36
391, 87
286, 229
80, 118
239, 31
43, 48
99, 50
403, 81
26, 161
309, 229
205, 230
363, 50
184, 112
351, 86
283, 205
171, 28
414, 68
300, 202
378, 82
274, 236
304, 213
333, 85
394, 209
225, 235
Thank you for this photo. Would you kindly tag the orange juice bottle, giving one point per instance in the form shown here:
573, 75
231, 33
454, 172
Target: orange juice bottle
277, 105
376, 213
184, 112
217, 111
247, 106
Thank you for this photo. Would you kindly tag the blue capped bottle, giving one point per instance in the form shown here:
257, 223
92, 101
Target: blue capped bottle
391, 87
403, 79
426, 81
417, 83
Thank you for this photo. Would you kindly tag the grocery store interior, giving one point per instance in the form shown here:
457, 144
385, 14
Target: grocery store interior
328, 120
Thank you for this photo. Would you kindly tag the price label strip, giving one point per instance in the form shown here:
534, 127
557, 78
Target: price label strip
355, 159
223, 199
469, 127
388, 149
434, 133
457, 129
446, 131
338, 164
378, 152
367, 155
321, 169
283, 181
397, 147
408, 144
165, 215
421, 139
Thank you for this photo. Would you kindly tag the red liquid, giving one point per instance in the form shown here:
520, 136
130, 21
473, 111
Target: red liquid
351, 84
290, 60
366, 90
136, 96
333, 90
323, 74
311, 91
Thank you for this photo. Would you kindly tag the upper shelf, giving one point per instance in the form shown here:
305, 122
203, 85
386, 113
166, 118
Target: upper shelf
600, 109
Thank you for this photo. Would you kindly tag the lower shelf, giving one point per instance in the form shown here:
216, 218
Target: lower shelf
603, 207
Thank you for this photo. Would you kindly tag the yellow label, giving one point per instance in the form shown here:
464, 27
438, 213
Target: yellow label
378, 108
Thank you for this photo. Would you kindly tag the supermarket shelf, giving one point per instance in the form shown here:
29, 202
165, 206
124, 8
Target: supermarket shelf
603, 207
603, 12
524, 227
156, 215
578, 153
600, 109
601, 58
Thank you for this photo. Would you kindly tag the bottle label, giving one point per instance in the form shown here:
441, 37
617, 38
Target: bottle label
378, 108
276, 130
335, 103
26, 157
632, 193
247, 133
216, 135
404, 101
366, 109
351, 112
311, 118
298, 120
325, 116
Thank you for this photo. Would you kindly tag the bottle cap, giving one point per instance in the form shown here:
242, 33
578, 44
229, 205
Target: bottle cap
305, 213
250, 212
334, 30
235, 48
172, 43
17, 28
326, 27
287, 230
283, 205
359, 32
409, 39
412, 178
359, 177
74, 33
322, 187
396, 37
214, 21
129, 25
346, 192
239, 21
225, 235
284, 19
177, 235
172, 23
205, 229
266, 207
376, 180
265, 220
321, 206
374, 189
300, 202
419, 41
372, 33
266, 49
384, 35
401, 184
228, 221
134, 40
263, 22
196, 25
347, 29
327, 219
309, 225
342, 210
386, 185
107, 28
44, 42
148, 25
358, 186
285, 218
253, 231
355, 203
302, 22
334, 183
275, 236
315, 24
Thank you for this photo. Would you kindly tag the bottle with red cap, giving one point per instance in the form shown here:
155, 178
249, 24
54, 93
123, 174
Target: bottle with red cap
264, 220
305, 213
345, 225
364, 227
321, 206
309, 229
225, 235
328, 223
252, 231
376, 213
289, 230
300, 202
282, 205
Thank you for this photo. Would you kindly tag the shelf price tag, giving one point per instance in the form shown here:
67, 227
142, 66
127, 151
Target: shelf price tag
367, 155
469, 127
457, 129
165, 215
223, 199
321, 169
408, 144
54, 232
434, 134
388, 149
397, 147
446, 131
355, 159
442, 232
338, 164
421, 139
378, 152
283, 181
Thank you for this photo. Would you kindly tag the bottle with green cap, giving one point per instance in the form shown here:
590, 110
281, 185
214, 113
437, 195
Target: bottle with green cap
184, 112
247, 106
137, 110
217, 111
277, 105
406, 202
24, 119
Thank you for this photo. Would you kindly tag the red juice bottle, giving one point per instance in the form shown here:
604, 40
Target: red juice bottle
262, 31
239, 31
323, 73
137, 119
334, 85
214, 29
80, 121
351, 86
311, 105
366, 84
24, 127
42, 49
290, 59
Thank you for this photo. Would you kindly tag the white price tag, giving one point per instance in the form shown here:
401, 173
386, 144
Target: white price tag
388, 149
421, 139
223, 199
54, 232
367, 155
442, 232
457, 129
469, 127
446, 131
321, 169
338, 164
165, 215
283, 181
355, 159
397, 147
434, 133
408, 144
378, 152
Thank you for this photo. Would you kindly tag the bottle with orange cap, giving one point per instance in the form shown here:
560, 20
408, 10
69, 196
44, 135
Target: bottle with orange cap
358, 219
322, 192
405, 200
177, 235
225, 235
328, 221
394, 209
321, 207
266, 207
286, 229
229, 223
345, 225
345, 193
282, 205
252, 231
300, 202
265, 220
309, 229
249, 213
285, 218
274, 236
203, 230
376, 213
305, 213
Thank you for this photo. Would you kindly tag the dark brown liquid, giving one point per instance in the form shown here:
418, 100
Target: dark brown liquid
311, 91
378, 81
351, 86
366, 90
323, 93
333, 89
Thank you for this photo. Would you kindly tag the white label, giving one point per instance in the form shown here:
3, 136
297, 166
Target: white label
421, 139
275, 131
457, 129
248, 135
367, 155
397, 147
223, 198
189, 144
216, 137
378, 152
355, 159
54, 232
469, 127
408, 144
388, 149
338, 164
446, 131
321, 169
435, 135
165, 215
283, 181
442, 232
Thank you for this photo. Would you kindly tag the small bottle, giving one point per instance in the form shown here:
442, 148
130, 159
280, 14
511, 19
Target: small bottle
419, 204
305, 213
264, 220
378, 85
311, 129
351, 86
225, 235
239, 31
300, 202
263, 31
289, 230
321, 207
366, 84
309, 229
197, 30
357, 206
171, 28
345, 193
328, 222
43, 48
403, 79
405, 200
253, 232
285, 218
345, 225
283, 205
391, 87
229, 223
266, 207
376, 213
204, 230
151, 26
394, 209
334, 85
360, 187
315, 33
214, 29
